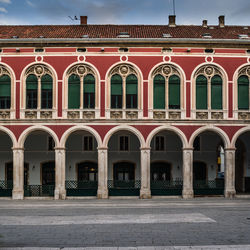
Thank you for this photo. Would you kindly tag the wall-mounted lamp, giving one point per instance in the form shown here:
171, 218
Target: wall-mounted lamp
178, 167
33, 167
212, 166
69, 166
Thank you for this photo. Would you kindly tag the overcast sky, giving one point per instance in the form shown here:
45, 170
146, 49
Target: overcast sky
237, 12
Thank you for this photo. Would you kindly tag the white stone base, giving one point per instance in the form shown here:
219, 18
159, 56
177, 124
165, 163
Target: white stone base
102, 194
17, 195
230, 194
187, 194
145, 194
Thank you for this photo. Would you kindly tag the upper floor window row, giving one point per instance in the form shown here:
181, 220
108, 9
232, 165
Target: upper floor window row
243, 88
5, 88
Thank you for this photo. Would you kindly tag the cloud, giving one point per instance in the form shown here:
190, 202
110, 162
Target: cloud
5, 1
3, 10
30, 3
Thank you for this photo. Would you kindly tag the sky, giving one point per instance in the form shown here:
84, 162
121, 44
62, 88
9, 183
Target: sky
35, 12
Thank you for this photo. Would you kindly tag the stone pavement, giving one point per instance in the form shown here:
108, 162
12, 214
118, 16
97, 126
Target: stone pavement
201, 223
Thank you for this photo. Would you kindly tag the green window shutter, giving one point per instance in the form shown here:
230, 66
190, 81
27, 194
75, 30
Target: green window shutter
116, 85
216, 92
47, 82
174, 92
5, 86
31, 82
131, 85
243, 92
74, 92
89, 84
159, 92
201, 92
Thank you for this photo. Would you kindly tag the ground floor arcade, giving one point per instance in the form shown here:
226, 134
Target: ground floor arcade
122, 164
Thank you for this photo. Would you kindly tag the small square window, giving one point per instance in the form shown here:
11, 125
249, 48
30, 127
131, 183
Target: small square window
88, 143
124, 142
159, 143
51, 143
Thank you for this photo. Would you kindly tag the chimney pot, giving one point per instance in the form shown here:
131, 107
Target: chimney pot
84, 20
204, 23
221, 21
171, 20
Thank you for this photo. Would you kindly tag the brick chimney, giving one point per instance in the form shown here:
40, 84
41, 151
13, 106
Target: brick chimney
171, 21
84, 20
221, 21
204, 23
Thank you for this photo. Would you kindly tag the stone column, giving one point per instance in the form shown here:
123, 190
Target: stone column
60, 191
229, 173
18, 173
102, 192
145, 192
187, 158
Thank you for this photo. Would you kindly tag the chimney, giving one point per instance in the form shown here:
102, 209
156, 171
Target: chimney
221, 21
84, 20
204, 23
171, 21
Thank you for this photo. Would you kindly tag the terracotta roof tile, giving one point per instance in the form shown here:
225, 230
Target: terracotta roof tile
111, 31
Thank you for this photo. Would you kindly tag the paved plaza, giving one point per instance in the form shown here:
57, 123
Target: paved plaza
201, 223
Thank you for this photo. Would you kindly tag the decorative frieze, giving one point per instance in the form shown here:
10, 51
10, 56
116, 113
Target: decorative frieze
46, 114
31, 114
116, 114
217, 115
131, 115
202, 115
88, 114
73, 114
159, 115
243, 115
4, 114
174, 115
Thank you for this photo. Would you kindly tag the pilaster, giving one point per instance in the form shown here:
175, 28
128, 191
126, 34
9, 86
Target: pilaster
102, 192
145, 192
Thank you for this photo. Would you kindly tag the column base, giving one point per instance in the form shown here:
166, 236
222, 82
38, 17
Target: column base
17, 194
188, 194
145, 194
102, 194
60, 194
230, 194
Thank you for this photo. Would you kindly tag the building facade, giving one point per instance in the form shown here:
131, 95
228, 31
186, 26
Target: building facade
124, 110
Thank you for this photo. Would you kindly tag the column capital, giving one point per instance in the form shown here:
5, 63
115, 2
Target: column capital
188, 149
145, 148
102, 148
230, 149
59, 148
17, 148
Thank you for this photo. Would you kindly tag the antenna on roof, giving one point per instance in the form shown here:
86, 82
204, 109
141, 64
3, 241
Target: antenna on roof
174, 7
73, 18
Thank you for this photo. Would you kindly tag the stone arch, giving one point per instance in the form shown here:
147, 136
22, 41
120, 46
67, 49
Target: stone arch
175, 68
29, 130
47, 68
122, 128
90, 69
132, 68
238, 134
239, 71
214, 129
68, 132
11, 135
175, 130
216, 69
6, 69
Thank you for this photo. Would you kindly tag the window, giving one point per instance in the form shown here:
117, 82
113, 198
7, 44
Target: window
89, 91
5, 92
116, 92
197, 144
174, 92
159, 143
159, 92
47, 89
51, 143
88, 143
131, 92
31, 92
216, 92
74, 92
201, 92
123, 142
243, 92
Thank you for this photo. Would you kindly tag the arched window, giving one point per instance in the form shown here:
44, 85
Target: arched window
81, 87
31, 91
89, 91
47, 92
243, 92
201, 92
159, 92
174, 92
216, 92
39, 87
5, 92
116, 92
131, 92
74, 92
